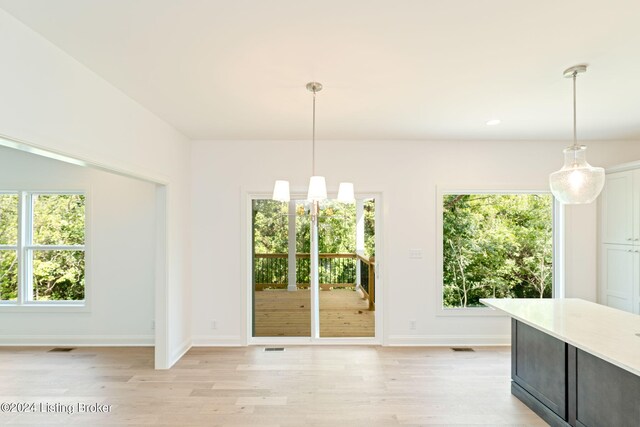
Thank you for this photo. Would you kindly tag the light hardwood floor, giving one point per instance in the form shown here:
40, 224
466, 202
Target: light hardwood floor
343, 313
304, 386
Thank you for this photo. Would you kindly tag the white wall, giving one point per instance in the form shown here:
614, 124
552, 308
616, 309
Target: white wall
121, 268
49, 100
408, 173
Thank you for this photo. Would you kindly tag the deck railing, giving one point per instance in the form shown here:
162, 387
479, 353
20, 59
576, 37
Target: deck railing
336, 270
368, 278
271, 271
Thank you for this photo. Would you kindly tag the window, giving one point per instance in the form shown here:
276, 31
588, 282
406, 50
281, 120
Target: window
42, 252
8, 247
496, 246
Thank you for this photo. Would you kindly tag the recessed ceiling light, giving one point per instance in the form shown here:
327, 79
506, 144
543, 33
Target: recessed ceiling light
493, 122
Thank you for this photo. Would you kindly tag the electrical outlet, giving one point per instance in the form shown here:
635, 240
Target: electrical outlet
415, 253
214, 324
412, 325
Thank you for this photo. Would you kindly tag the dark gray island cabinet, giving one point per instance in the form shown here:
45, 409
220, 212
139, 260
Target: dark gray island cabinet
573, 362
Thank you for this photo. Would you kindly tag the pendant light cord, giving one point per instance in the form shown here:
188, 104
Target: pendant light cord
575, 136
313, 137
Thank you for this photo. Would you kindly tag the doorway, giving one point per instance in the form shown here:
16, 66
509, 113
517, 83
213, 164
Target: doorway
284, 305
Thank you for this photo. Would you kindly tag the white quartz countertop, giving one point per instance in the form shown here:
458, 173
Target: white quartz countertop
603, 331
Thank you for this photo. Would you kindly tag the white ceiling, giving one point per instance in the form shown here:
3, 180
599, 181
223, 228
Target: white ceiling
395, 69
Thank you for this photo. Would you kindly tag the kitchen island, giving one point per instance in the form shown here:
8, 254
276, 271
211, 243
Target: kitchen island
574, 362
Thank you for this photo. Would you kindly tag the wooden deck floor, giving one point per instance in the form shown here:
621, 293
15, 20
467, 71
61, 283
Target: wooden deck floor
343, 313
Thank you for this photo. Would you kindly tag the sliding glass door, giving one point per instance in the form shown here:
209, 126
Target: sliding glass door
285, 252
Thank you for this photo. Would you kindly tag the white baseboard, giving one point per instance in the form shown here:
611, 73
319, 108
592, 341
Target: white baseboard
78, 340
394, 340
448, 340
180, 351
217, 341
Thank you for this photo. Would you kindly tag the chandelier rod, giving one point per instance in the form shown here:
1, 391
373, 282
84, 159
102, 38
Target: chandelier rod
313, 136
575, 132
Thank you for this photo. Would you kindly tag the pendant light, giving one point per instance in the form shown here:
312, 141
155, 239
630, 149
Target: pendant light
317, 184
577, 182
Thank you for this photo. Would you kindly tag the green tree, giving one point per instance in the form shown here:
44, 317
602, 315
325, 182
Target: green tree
58, 219
337, 233
370, 227
270, 226
8, 236
496, 245
337, 227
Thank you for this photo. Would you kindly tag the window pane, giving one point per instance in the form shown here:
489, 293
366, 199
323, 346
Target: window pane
370, 227
58, 275
58, 219
496, 246
8, 276
8, 219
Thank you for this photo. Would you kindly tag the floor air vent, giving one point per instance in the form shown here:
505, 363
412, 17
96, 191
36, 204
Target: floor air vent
61, 349
274, 349
462, 349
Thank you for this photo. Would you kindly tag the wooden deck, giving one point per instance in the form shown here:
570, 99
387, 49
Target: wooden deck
343, 313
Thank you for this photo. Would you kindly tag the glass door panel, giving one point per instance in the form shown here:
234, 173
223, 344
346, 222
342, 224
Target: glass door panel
281, 298
346, 244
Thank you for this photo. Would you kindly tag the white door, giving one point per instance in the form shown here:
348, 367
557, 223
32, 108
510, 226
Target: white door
620, 276
618, 206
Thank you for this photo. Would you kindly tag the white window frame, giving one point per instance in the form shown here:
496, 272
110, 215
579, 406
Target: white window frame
558, 246
25, 249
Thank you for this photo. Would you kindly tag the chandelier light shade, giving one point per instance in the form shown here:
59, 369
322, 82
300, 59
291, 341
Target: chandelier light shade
317, 189
577, 182
281, 191
345, 193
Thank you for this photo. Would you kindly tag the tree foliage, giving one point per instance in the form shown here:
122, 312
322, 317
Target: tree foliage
270, 226
8, 236
370, 227
496, 246
58, 220
336, 234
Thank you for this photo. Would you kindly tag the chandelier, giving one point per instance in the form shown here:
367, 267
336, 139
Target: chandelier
317, 191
